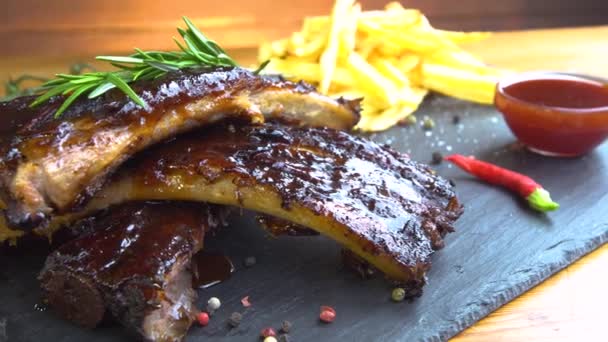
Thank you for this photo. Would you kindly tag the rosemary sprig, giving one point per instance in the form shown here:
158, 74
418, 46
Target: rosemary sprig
13, 86
195, 50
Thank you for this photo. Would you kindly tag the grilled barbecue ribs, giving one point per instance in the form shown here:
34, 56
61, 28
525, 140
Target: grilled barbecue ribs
52, 166
388, 209
133, 261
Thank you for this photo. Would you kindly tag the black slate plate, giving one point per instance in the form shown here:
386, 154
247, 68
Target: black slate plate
500, 249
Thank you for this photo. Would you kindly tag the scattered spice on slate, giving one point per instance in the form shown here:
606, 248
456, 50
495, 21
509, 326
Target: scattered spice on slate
284, 338
456, 119
437, 158
328, 314
249, 261
202, 318
268, 332
398, 294
270, 339
235, 319
427, 123
245, 301
286, 326
213, 304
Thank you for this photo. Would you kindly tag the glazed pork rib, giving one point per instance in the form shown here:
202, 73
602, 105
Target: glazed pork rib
53, 165
132, 261
388, 209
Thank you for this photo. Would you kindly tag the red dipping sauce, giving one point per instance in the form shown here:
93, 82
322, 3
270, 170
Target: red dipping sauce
555, 114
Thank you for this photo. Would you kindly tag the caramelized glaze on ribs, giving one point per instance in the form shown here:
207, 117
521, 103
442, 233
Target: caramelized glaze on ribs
133, 261
53, 165
388, 209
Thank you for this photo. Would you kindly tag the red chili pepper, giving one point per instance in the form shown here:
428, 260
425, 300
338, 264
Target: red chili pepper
526, 187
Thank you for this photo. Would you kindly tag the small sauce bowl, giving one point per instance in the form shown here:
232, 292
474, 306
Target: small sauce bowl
555, 114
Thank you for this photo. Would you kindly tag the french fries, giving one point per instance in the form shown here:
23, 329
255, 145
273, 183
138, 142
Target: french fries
390, 58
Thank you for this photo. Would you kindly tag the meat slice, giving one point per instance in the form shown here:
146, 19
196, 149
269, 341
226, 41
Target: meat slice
53, 165
386, 208
133, 261
6, 234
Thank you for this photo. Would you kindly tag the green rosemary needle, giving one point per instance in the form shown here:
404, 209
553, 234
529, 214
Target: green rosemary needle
195, 50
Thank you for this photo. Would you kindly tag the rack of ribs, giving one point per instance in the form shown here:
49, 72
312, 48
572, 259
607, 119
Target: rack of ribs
132, 261
389, 210
52, 166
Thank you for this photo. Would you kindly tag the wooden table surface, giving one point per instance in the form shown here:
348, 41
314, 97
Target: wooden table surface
570, 305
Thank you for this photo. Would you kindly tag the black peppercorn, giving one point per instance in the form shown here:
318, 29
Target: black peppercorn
249, 261
437, 158
235, 319
286, 326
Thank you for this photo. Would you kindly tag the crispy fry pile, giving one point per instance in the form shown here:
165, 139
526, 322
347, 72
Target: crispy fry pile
390, 58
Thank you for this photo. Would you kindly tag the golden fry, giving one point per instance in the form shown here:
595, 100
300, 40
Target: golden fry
462, 84
391, 58
330, 55
394, 6
390, 70
295, 69
408, 17
408, 62
465, 37
377, 86
269, 50
349, 33
380, 121
309, 49
367, 46
411, 42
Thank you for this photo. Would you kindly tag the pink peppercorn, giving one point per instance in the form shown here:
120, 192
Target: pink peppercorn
268, 332
202, 318
328, 314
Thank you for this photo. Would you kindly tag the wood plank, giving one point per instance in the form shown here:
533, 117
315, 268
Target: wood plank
31, 27
581, 50
570, 306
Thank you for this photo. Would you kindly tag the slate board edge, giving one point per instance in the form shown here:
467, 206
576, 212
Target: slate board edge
501, 298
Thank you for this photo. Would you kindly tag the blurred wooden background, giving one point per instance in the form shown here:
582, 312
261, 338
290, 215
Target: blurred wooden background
60, 27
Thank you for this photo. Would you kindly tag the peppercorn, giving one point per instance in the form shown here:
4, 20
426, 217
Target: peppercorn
235, 319
268, 332
286, 326
428, 123
456, 119
213, 304
327, 315
437, 158
398, 294
270, 339
245, 301
202, 318
284, 338
408, 121
249, 261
